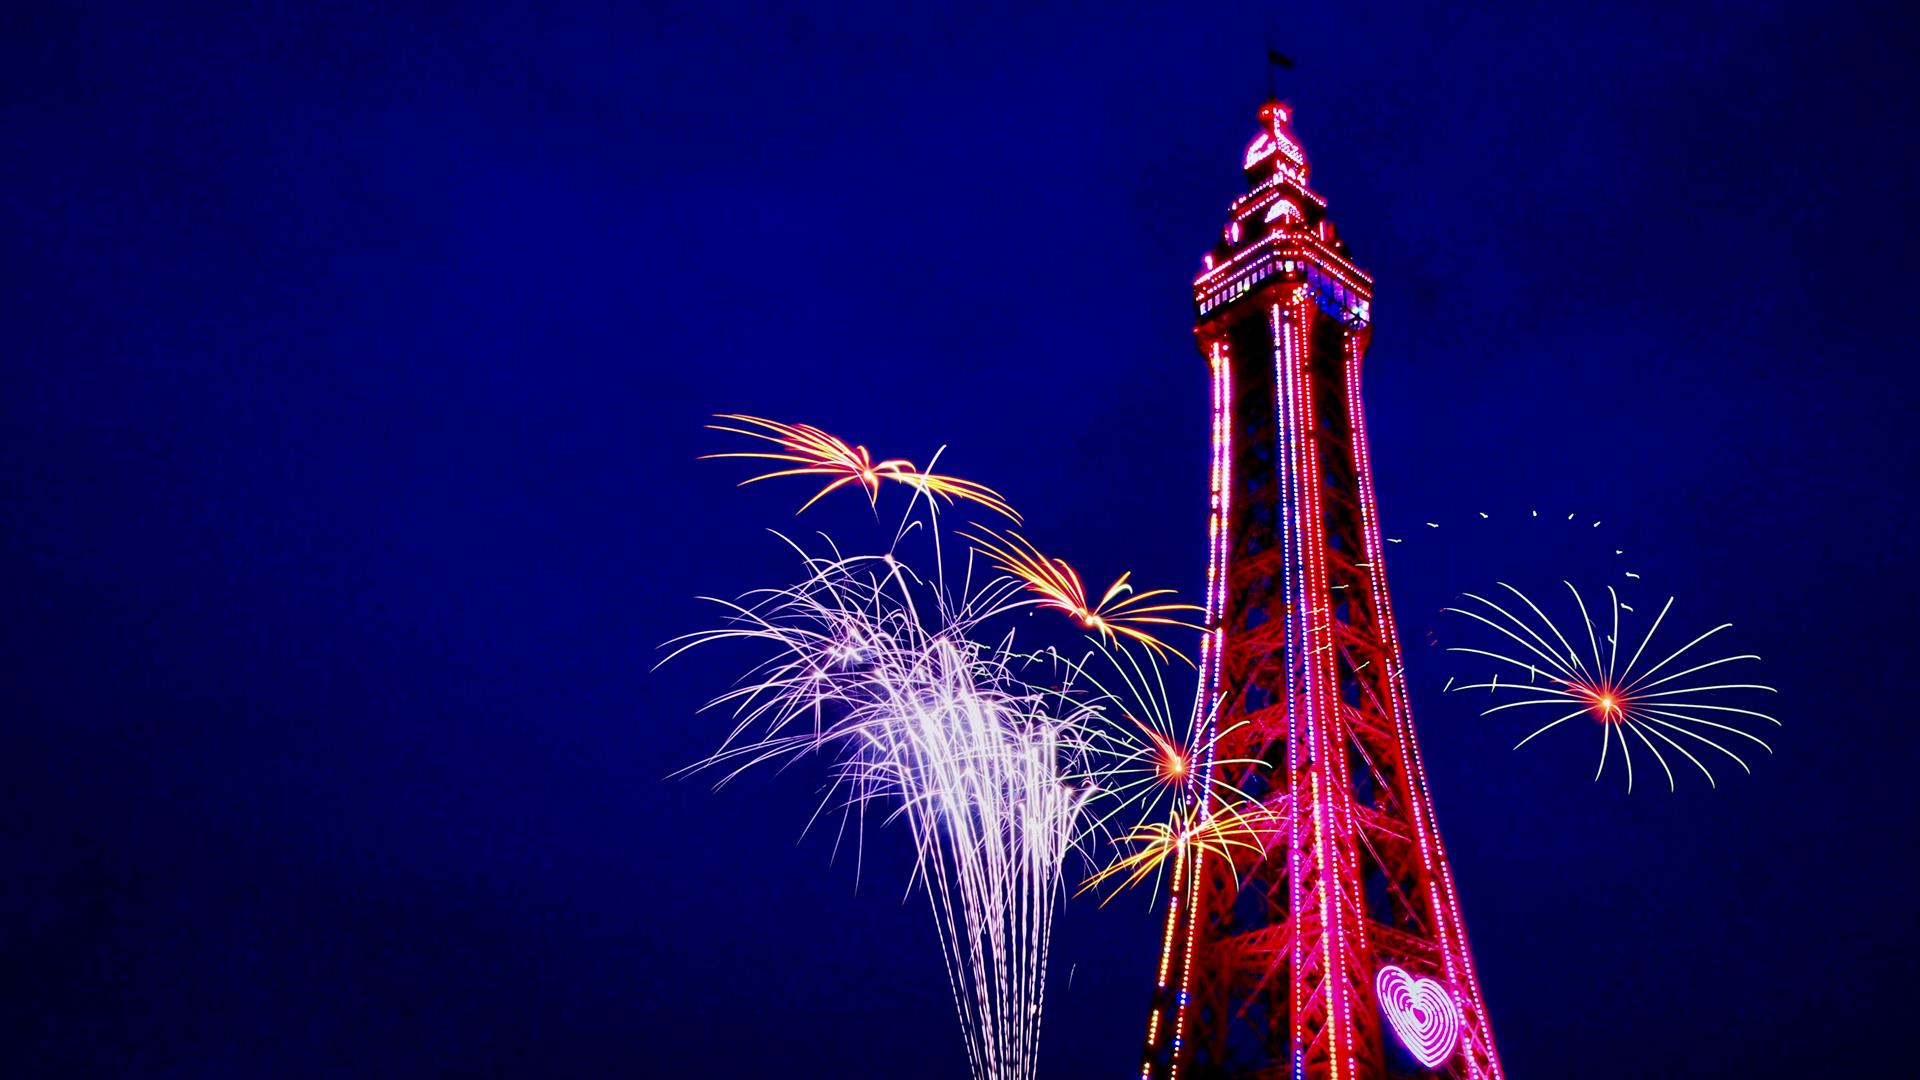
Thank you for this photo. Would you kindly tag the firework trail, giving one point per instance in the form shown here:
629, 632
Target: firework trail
812, 452
1620, 698
1160, 844
1152, 770
1120, 612
878, 669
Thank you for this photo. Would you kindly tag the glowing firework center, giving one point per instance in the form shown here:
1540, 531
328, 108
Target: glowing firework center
1296, 956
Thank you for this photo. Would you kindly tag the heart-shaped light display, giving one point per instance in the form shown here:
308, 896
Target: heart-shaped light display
1421, 1012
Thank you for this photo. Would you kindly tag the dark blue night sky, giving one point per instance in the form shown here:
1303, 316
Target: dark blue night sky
356, 364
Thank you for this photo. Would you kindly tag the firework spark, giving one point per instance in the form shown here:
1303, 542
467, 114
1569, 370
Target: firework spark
1158, 771
1224, 833
1121, 612
1620, 698
813, 452
879, 669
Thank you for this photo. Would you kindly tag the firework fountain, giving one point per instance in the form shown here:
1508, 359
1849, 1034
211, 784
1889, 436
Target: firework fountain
999, 762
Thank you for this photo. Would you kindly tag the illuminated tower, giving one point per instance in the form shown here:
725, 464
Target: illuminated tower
1338, 950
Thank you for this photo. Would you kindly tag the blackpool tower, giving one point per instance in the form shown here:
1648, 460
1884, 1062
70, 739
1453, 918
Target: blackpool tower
1333, 946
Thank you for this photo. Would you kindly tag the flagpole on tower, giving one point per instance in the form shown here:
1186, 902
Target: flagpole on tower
1276, 59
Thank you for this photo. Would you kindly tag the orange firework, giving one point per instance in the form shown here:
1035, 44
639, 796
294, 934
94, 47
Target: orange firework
813, 452
1121, 611
1226, 831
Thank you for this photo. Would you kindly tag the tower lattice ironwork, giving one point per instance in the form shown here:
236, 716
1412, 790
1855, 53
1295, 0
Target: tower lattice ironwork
1337, 949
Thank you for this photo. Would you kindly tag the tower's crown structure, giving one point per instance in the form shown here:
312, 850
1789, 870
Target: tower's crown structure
1280, 227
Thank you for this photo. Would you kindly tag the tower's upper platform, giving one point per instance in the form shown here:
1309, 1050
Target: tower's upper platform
1279, 232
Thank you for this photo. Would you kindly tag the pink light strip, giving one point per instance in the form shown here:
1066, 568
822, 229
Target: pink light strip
1186, 880
1464, 984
